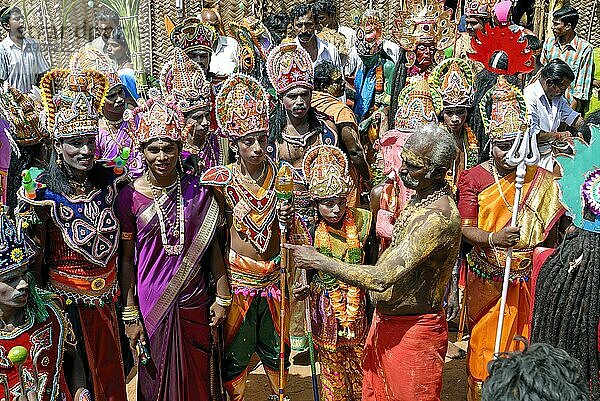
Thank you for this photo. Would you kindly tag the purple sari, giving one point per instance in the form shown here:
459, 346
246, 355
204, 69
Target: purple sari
109, 146
172, 291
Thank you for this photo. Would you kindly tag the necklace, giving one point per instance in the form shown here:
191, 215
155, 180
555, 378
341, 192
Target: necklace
345, 312
251, 181
413, 205
497, 179
298, 140
160, 196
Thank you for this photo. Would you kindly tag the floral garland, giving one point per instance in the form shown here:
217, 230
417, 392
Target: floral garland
472, 147
345, 313
379, 80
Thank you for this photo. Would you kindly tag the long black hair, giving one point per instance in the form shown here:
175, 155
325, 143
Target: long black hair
278, 122
56, 177
567, 302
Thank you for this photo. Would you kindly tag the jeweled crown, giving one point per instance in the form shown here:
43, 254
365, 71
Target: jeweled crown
418, 104
508, 117
158, 117
288, 66
22, 114
326, 170
454, 80
193, 34
16, 249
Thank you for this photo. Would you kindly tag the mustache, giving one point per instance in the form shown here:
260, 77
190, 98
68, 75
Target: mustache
306, 35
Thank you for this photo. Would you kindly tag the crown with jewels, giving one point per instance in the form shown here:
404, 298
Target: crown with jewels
75, 109
326, 170
369, 32
158, 117
16, 249
193, 34
454, 80
184, 80
508, 116
242, 107
424, 21
418, 104
288, 66
22, 114
90, 58
479, 8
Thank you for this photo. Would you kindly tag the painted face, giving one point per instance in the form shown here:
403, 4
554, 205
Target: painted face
115, 101
332, 209
200, 57
201, 118
14, 289
105, 28
372, 34
499, 152
555, 90
252, 148
424, 54
297, 101
77, 152
305, 27
161, 157
455, 118
473, 24
415, 166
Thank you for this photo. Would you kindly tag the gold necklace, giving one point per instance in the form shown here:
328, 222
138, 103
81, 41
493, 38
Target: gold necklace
497, 179
251, 181
413, 205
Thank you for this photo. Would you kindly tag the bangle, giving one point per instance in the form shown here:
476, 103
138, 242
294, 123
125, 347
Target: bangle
130, 314
491, 240
224, 301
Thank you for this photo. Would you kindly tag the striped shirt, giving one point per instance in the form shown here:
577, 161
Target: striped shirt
578, 54
21, 66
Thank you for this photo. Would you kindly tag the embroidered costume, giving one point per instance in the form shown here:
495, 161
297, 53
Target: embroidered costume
339, 320
252, 324
171, 232
83, 233
486, 203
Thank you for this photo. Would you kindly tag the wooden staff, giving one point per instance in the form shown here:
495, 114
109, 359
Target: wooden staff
284, 188
311, 345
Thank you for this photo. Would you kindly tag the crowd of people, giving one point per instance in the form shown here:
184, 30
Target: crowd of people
291, 183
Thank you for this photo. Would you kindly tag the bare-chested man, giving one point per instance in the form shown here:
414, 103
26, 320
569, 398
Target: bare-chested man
404, 353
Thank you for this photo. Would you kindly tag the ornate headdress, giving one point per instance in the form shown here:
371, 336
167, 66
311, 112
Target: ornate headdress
90, 58
22, 113
288, 66
242, 107
580, 182
508, 117
326, 170
479, 8
76, 107
184, 80
418, 104
192, 34
250, 51
454, 80
490, 45
16, 249
158, 118
369, 32
390, 144
424, 21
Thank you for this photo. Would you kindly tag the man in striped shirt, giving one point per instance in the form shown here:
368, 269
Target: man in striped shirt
21, 61
573, 50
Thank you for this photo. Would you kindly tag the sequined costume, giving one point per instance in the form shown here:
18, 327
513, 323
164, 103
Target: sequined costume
485, 202
252, 324
338, 310
82, 234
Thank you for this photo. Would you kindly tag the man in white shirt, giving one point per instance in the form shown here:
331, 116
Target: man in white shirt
548, 108
305, 24
225, 57
21, 61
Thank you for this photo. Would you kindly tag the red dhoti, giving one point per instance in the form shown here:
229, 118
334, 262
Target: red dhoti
404, 357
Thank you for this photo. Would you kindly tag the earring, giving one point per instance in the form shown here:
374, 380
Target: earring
59, 160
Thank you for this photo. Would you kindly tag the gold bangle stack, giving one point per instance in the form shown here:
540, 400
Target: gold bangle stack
224, 301
130, 315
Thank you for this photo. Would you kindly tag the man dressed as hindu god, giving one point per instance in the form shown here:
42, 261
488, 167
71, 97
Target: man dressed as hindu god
424, 29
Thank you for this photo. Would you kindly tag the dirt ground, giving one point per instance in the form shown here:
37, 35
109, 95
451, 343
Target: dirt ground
299, 386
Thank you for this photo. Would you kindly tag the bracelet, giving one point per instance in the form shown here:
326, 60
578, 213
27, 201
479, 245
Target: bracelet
130, 314
491, 240
224, 301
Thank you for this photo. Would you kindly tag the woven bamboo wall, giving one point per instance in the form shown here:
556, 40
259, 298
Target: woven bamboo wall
589, 20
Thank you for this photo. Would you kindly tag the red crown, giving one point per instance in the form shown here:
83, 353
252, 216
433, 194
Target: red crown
288, 66
193, 34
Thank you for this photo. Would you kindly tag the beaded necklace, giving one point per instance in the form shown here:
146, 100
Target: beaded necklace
345, 312
159, 194
413, 205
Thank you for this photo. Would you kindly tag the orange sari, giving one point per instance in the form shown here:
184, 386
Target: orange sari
539, 210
